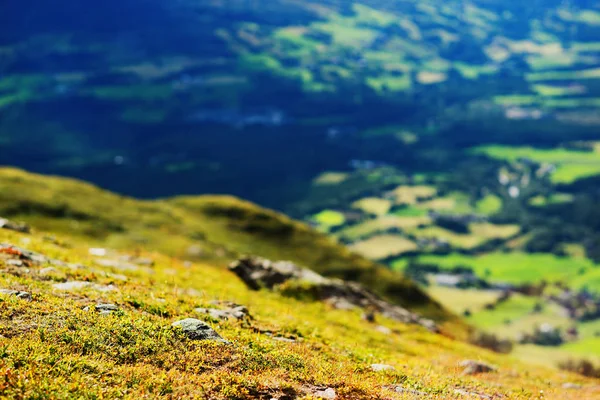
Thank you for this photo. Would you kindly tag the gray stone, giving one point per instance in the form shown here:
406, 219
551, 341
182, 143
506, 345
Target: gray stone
120, 265
70, 286
79, 285
328, 394
24, 254
104, 309
14, 226
260, 273
15, 263
47, 271
234, 311
195, 329
572, 386
341, 304
147, 262
383, 329
382, 367
19, 294
412, 392
284, 339
472, 367
463, 392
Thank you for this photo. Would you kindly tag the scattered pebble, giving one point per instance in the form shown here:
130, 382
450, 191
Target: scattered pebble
572, 386
284, 339
120, 265
233, 311
472, 367
98, 252
463, 392
383, 329
328, 394
382, 367
14, 226
78, 285
340, 303
47, 271
25, 255
15, 263
412, 392
16, 293
70, 286
104, 309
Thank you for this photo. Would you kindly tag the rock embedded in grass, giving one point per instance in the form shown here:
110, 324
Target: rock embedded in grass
104, 309
25, 255
328, 394
383, 329
572, 386
15, 263
466, 393
382, 367
16, 293
14, 226
195, 329
407, 391
259, 273
232, 311
472, 367
79, 285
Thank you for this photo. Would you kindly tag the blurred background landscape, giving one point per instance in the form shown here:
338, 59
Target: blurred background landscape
456, 142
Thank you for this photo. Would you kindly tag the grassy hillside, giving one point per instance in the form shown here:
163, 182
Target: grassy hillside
211, 228
55, 342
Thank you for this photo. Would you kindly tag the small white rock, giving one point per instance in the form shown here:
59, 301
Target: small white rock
98, 252
328, 394
382, 367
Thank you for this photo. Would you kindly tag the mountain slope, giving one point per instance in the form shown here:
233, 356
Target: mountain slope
196, 228
97, 323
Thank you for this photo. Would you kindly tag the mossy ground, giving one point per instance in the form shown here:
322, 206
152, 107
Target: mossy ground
51, 347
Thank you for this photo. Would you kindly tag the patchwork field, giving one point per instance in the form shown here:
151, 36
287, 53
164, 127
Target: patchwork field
524, 268
570, 165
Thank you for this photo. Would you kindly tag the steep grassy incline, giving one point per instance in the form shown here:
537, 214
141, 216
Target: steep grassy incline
213, 228
76, 323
